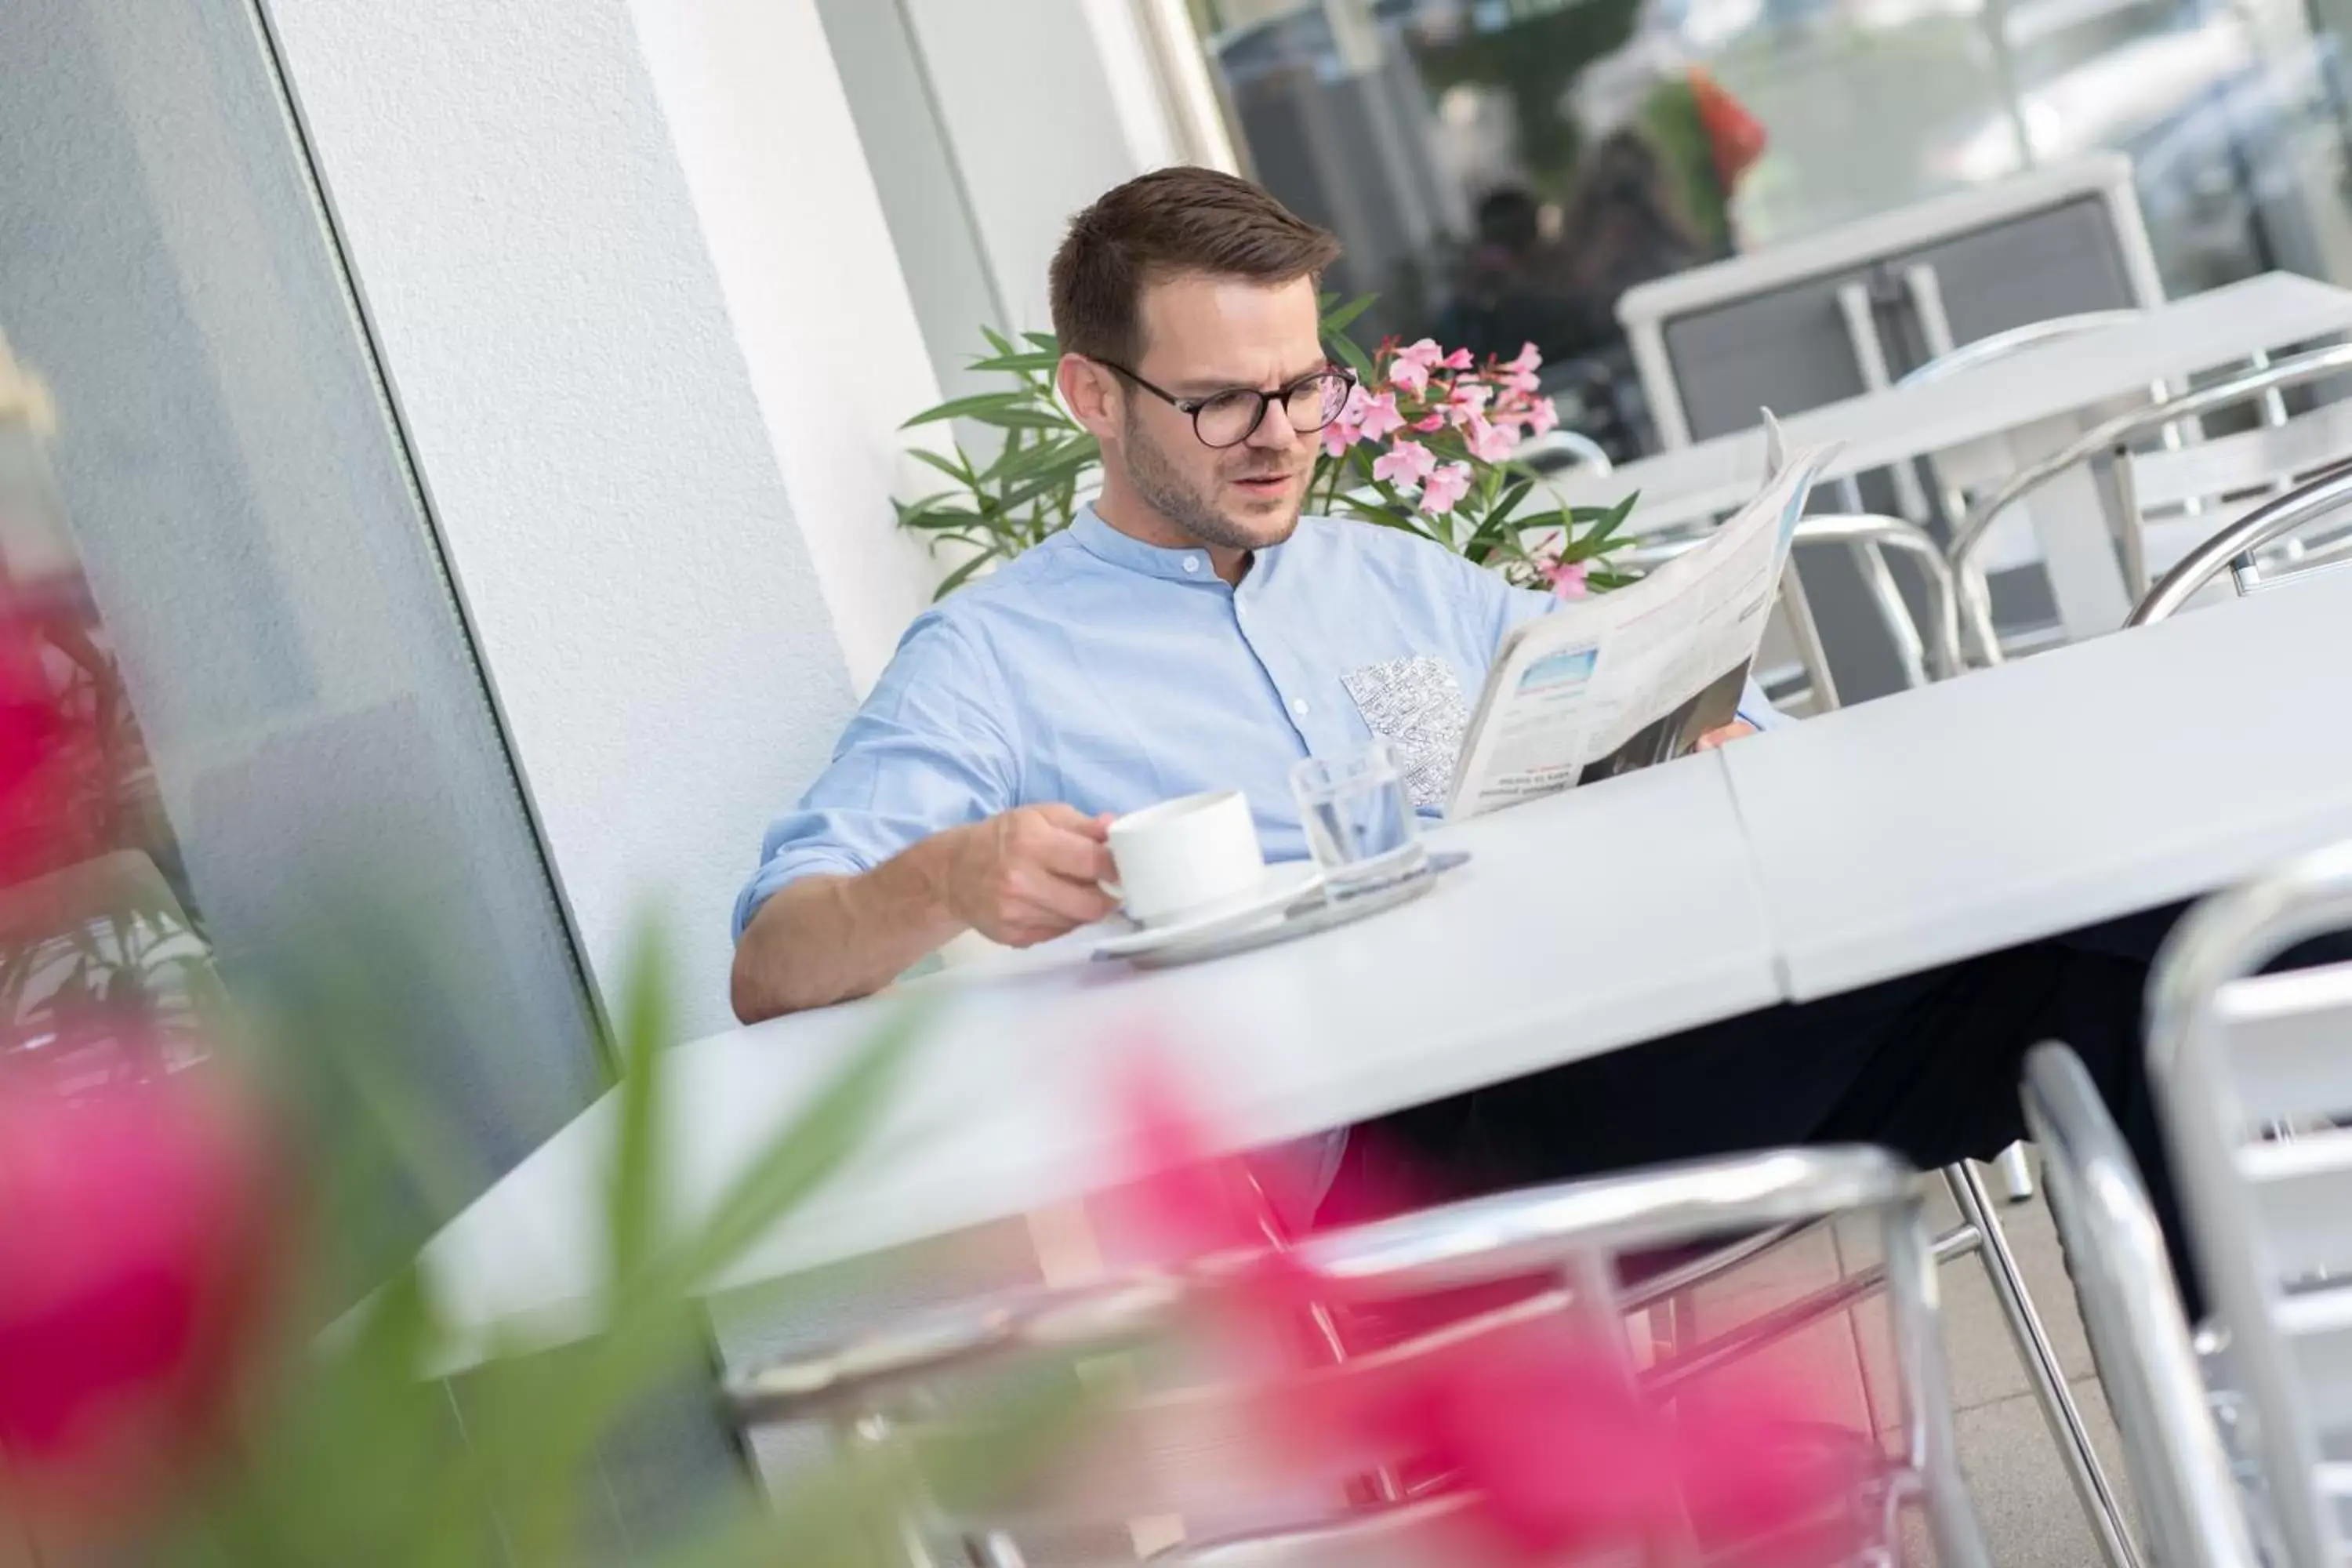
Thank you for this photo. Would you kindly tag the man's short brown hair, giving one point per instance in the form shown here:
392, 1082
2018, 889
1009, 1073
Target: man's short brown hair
1163, 225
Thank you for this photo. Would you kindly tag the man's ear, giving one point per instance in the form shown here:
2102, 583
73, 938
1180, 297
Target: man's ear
1091, 394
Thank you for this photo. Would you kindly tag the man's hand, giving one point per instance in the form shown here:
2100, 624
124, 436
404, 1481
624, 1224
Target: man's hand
1031, 874
1726, 735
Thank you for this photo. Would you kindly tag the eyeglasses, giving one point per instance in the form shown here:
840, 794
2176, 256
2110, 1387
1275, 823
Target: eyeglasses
1230, 417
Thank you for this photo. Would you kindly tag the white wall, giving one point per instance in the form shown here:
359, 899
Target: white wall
658, 527
1030, 156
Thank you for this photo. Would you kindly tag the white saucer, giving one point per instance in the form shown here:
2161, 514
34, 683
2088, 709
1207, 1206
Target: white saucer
1286, 883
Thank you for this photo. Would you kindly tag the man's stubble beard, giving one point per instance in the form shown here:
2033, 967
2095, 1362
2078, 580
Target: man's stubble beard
1167, 490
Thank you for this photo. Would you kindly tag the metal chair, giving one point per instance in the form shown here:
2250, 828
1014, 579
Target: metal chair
1156, 1452
2191, 1504
2240, 545
2254, 1079
2108, 448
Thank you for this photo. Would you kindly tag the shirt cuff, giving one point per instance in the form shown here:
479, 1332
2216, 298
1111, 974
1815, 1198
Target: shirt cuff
783, 871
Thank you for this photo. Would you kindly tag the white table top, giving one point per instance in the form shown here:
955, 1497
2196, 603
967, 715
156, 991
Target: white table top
2204, 331
1582, 924
2072, 787
2015, 804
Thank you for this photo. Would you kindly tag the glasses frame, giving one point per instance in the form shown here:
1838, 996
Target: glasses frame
1191, 406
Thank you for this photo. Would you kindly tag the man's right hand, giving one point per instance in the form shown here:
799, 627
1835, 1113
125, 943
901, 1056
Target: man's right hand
1031, 874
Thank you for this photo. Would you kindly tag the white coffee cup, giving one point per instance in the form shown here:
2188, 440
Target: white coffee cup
1186, 857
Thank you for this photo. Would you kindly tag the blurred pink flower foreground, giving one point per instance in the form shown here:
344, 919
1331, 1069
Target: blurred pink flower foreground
1537, 1425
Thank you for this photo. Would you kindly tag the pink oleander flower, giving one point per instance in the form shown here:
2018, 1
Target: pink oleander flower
1458, 360
1404, 463
1541, 417
1348, 429
1567, 578
1488, 442
1409, 376
1430, 422
1444, 488
1466, 397
1424, 353
1380, 419
1557, 1456
1520, 373
140, 1229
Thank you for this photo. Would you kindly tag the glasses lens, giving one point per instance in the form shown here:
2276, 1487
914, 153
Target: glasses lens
1316, 402
1229, 417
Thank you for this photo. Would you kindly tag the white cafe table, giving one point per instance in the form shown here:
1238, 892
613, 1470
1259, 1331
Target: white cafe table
1580, 924
2073, 787
2032, 398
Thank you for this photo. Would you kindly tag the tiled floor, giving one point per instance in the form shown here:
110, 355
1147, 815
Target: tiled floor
2022, 1493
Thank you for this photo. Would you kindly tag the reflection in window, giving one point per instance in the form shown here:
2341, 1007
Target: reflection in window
1503, 170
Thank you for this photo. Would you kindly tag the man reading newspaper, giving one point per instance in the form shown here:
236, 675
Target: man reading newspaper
1192, 630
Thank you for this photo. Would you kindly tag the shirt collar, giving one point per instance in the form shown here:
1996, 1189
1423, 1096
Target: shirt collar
1107, 544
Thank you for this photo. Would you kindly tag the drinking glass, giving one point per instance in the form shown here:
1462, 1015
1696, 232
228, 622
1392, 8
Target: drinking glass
1360, 825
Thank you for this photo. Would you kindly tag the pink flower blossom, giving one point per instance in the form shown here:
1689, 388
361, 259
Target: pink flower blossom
1567, 578
1428, 422
1404, 463
1408, 376
1465, 398
1424, 353
1519, 375
1541, 417
1529, 359
1380, 419
1489, 443
1443, 488
1458, 360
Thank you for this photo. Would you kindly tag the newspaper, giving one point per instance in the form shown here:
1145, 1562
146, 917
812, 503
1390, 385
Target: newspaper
1605, 685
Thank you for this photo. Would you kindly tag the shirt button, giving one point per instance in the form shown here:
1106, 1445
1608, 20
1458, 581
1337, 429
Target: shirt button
1298, 706
1191, 563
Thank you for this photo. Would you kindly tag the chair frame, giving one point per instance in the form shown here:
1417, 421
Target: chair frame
2233, 546
2110, 442
2227, 939
2190, 1501
1565, 1230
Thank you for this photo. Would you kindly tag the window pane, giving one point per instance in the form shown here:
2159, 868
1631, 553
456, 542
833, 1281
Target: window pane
1503, 170
224, 520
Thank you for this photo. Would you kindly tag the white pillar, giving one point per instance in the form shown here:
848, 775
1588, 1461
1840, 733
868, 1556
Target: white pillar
650, 342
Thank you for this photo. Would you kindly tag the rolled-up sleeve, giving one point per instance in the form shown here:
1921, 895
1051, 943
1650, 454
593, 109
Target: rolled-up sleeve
931, 748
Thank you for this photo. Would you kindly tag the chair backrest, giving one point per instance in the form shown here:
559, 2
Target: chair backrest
2184, 493
2002, 345
2191, 1505
1556, 451
2110, 443
2317, 503
1185, 1450
2254, 1077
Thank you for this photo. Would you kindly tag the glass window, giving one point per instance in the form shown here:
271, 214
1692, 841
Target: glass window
1503, 170
214, 546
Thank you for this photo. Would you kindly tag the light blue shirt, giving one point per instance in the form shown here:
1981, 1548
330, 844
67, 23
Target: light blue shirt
1106, 673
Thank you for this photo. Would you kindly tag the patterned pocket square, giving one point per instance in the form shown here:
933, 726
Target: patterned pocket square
1416, 706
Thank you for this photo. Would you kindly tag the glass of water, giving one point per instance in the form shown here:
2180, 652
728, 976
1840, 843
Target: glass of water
1360, 825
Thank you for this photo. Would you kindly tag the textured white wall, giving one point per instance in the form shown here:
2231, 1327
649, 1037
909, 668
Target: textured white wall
598, 450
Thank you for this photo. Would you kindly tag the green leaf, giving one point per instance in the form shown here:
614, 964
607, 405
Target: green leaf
1035, 360
803, 1157
1612, 520
957, 468
1045, 341
1006, 410
964, 573
634, 1195
1336, 322
1352, 357
996, 339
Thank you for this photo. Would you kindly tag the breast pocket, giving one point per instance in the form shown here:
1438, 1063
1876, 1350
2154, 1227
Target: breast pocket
1416, 706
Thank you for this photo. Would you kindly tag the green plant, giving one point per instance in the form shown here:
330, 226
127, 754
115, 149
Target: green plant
1425, 444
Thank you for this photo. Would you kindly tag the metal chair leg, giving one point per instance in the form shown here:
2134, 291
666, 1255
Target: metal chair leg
2016, 1175
2049, 1381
